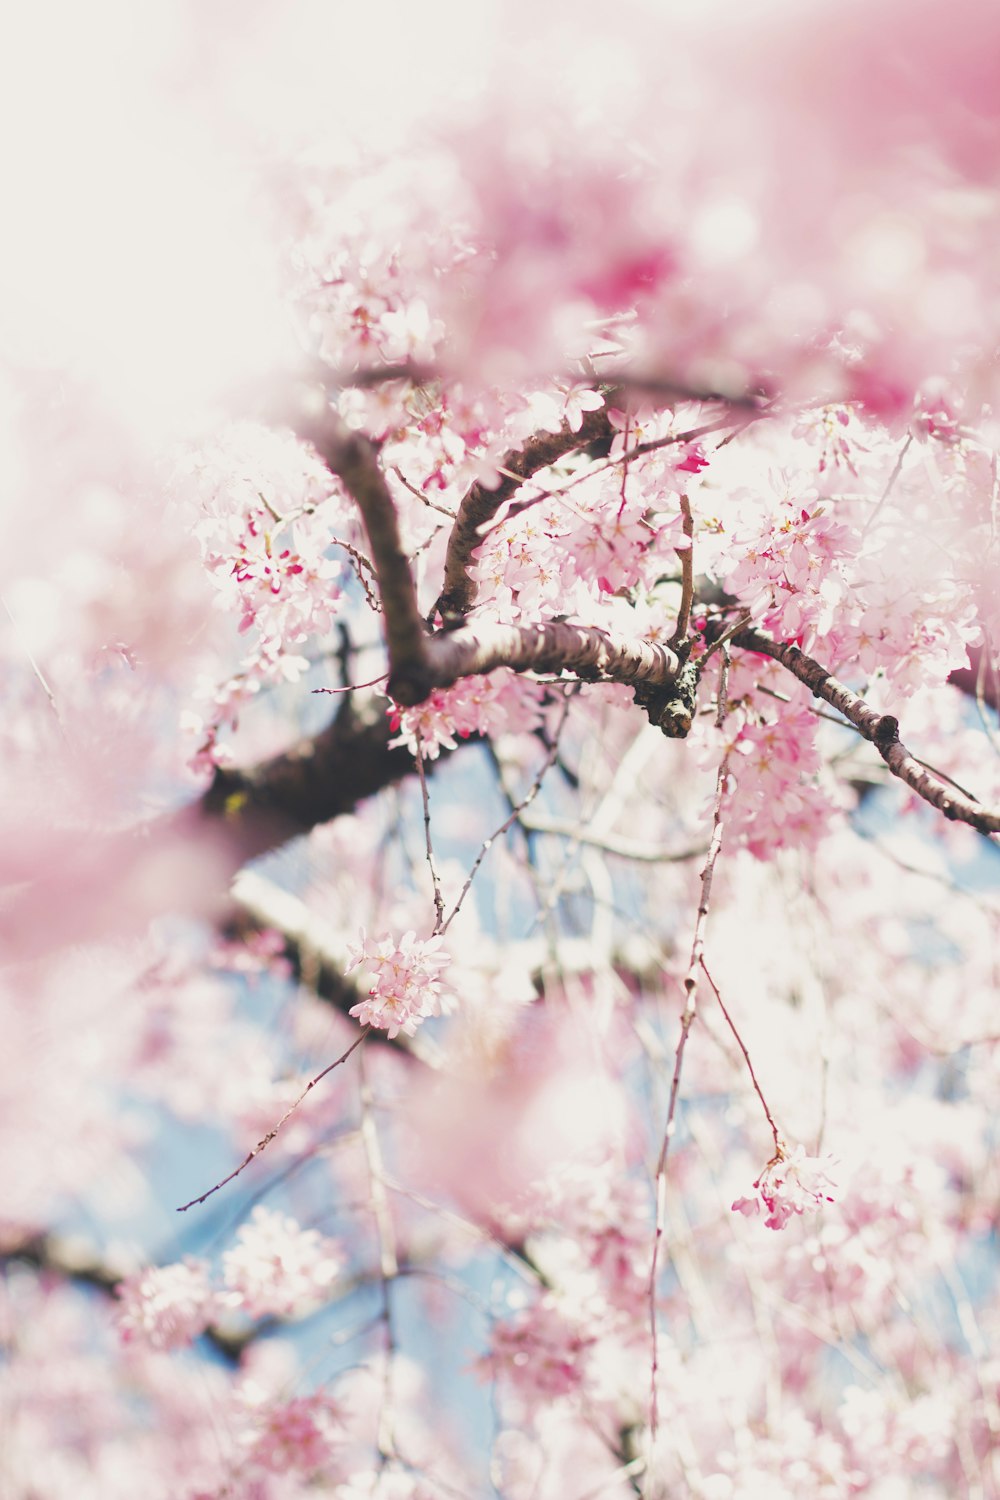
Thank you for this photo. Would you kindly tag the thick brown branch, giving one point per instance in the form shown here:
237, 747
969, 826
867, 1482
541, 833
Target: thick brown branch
881, 729
354, 459
585, 650
480, 505
321, 777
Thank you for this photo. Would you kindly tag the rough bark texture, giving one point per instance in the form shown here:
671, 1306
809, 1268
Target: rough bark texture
881, 729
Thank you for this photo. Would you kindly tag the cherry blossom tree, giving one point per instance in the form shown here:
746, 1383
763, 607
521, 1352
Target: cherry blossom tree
501, 642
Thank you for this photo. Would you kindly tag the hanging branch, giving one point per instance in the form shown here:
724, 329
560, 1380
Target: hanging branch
881, 729
687, 1021
778, 1143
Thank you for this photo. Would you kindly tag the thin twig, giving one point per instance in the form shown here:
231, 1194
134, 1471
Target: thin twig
361, 563
515, 813
36, 669
611, 843
266, 1141
651, 445
352, 687
387, 1259
727, 636
687, 1019
740, 1043
985, 660
419, 494
888, 489
439, 921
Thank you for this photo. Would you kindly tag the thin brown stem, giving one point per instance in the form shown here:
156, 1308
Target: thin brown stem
687, 1020
267, 1139
439, 922
742, 1046
516, 810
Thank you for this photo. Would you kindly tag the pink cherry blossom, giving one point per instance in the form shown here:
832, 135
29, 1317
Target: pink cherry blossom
403, 979
790, 1184
166, 1307
475, 705
299, 1436
276, 1267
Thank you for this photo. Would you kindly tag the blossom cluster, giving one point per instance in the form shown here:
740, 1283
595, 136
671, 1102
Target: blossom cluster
499, 703
298, 1436
166, 1307
790, 1184
542, 1350
791, 569
275, 1269
403, 981
265, 513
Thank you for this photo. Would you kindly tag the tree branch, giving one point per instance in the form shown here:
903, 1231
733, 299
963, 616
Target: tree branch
321, 777
881, 729
354, 459
554, 646
418, 662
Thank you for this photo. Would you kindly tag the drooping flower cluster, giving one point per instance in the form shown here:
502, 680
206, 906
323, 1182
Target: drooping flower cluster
790, 1184
403, 983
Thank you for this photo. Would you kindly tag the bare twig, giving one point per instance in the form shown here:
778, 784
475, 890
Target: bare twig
516, 810
611, 843
687, 1020
388, 1263
740, 1043
361, 565
36, 669
897, 468
651, 445
439, 921
352, 687
267, 1139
